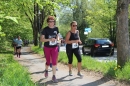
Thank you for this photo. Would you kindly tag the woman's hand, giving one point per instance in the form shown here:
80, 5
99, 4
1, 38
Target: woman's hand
52, 39
80, 42
77, 41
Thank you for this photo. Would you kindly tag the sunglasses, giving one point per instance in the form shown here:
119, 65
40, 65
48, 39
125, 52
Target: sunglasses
50, 21
74, 25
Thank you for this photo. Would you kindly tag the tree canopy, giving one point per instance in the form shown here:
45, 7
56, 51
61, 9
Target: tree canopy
27, 18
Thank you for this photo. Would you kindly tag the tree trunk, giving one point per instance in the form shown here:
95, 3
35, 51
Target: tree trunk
38, 22
41, 22
122, 32
35, 28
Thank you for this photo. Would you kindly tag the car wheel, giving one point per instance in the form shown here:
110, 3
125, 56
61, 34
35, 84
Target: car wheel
83, 51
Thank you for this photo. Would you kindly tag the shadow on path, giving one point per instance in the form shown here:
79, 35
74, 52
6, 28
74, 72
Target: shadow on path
98, 82
60, 80
26, 53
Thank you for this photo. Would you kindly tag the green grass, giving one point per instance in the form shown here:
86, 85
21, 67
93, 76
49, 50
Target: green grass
12, 73
123, 74
90, 64
38, 50
108, 68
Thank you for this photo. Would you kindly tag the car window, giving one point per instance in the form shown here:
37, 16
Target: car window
106, 41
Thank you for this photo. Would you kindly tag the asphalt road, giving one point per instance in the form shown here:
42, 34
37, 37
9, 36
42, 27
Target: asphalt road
100, 57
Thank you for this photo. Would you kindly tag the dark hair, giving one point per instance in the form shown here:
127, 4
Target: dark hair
72, 23
50, 18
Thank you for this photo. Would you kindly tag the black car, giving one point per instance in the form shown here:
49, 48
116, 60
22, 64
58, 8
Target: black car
98, 45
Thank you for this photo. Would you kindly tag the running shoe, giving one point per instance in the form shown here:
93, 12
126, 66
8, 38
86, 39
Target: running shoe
79, 74
46, 73
54, 79
70, 73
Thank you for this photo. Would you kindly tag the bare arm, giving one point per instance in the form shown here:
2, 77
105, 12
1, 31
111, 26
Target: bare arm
42, 39
79, 38
58, 38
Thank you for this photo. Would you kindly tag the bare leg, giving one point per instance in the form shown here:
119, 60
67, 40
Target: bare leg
46, 70
18, 51
79, 66
70, 66
54, 69
46, 67
70, 71
57, 63
79, 69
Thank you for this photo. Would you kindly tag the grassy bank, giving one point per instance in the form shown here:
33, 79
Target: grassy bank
12, 73
106, 68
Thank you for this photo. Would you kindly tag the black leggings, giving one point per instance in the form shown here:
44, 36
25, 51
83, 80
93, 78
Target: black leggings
70, 51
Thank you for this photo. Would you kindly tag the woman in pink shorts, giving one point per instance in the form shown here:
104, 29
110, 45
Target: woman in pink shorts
50, 37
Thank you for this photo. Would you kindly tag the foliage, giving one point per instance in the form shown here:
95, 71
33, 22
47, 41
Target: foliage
12, 73
119, 73
79, 14
9, 29
36, 49
64, 18
101, 17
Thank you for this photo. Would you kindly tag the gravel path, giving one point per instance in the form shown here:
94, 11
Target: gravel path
35, 65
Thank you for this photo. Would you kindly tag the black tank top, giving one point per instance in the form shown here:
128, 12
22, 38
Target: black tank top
73, 36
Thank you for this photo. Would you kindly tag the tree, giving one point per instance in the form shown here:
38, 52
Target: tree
101, 18
9, 29
29, 21
123, 49
79, 14
46, 8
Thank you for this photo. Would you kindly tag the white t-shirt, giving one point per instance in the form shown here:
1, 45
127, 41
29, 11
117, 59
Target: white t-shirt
19, 42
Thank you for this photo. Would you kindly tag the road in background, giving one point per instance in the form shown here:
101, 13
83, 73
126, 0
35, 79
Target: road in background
97, 57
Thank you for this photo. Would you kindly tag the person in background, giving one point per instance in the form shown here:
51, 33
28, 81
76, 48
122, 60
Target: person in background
59, 44
14, 45
49, 36
19, 43
72, 41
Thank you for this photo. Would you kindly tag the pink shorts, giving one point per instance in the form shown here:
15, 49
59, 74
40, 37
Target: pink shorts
51, 53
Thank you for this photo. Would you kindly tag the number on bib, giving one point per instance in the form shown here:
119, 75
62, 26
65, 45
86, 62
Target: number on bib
74, 45
52, 42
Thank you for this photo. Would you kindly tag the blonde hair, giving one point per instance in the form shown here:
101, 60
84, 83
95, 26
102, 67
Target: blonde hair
72, 23
50, 18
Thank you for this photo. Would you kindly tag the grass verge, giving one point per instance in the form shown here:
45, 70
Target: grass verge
12, 73
108, 68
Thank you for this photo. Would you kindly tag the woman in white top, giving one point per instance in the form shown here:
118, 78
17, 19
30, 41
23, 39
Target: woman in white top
19, 43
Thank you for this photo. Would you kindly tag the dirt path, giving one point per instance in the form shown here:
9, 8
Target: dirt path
35, 65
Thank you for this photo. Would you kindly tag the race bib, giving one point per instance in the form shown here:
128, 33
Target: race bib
74, 45
52, 42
